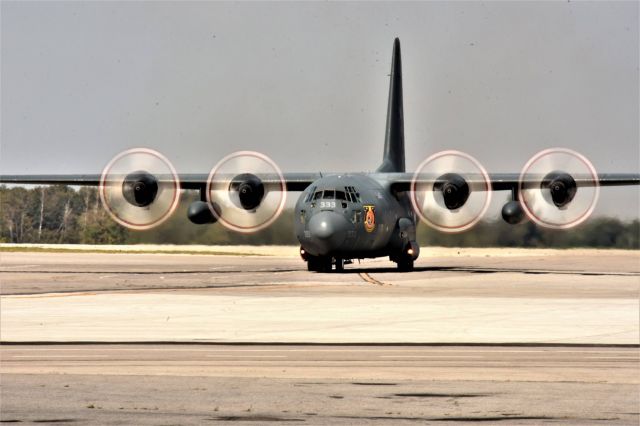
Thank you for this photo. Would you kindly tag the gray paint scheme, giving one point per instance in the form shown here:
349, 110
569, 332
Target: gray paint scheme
345, 235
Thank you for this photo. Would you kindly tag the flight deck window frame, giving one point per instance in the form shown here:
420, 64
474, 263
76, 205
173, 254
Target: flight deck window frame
329, 194
352, 194
310, 195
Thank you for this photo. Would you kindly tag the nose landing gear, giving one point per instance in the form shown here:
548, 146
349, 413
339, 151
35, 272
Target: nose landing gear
324, 263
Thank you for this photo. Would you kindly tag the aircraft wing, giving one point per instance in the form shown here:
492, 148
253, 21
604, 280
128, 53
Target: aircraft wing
299, 181
506, 181
293, 181
511, 181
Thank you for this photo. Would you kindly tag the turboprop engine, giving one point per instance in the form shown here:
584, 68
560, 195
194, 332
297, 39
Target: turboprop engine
245, 191
558, 188
139, 188
450, 191
562, 187
454, 189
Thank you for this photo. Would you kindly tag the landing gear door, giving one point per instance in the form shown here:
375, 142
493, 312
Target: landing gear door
406, 229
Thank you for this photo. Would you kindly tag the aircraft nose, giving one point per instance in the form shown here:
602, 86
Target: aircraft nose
329, 230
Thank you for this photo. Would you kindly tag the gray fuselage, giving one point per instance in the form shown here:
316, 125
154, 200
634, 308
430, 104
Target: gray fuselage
354, 216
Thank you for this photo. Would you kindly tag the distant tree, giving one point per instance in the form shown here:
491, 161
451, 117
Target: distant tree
61, 214
16, 224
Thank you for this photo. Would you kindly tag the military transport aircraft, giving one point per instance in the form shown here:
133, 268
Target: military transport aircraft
341, 217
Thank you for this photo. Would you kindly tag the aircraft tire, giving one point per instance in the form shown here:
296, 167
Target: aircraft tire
319, 264
405, 265
311, 265
323, 264
339, 264
314, 264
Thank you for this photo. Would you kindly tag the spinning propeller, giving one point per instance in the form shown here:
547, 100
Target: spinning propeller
450, 191
139, 188
558, 188
246, 191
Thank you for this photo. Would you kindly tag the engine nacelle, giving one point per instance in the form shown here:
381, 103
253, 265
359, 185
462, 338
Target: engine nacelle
549, 192
458, 198
454, 188
200, 213
246, 191
512, 213
140, 188
562, 187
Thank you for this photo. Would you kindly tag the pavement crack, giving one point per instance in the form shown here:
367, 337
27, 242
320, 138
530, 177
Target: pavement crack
441, 395
254, 419
368, 278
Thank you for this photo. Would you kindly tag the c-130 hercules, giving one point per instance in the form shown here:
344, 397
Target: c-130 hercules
341, 217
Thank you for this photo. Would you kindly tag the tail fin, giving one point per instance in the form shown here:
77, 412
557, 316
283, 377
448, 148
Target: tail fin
393, 159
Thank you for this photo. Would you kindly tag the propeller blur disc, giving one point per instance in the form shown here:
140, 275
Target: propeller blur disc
535, 197
128, 174
428, 200
223, 191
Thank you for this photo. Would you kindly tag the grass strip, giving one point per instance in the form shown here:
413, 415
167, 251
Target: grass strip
114, 251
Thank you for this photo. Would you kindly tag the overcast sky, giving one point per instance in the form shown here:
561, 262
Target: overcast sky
307, 83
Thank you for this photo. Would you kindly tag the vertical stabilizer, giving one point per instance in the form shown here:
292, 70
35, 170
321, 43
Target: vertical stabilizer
393, 159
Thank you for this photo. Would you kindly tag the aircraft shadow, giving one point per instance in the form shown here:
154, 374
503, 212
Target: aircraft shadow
481, 270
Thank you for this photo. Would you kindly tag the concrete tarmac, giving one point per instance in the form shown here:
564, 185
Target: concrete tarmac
196, 384
509, 336
479, 296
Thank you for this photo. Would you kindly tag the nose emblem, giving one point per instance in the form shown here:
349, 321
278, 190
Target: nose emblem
369, 218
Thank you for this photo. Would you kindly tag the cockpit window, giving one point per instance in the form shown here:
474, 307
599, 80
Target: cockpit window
329, 194
352, 194
310, 194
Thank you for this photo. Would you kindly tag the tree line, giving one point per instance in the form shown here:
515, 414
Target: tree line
62, 214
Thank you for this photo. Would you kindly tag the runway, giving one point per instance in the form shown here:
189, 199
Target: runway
192, 384
472, 296
513, 336
345, 362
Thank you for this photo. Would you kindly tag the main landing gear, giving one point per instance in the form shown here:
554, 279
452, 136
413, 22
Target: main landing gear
405, 264
405, 259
